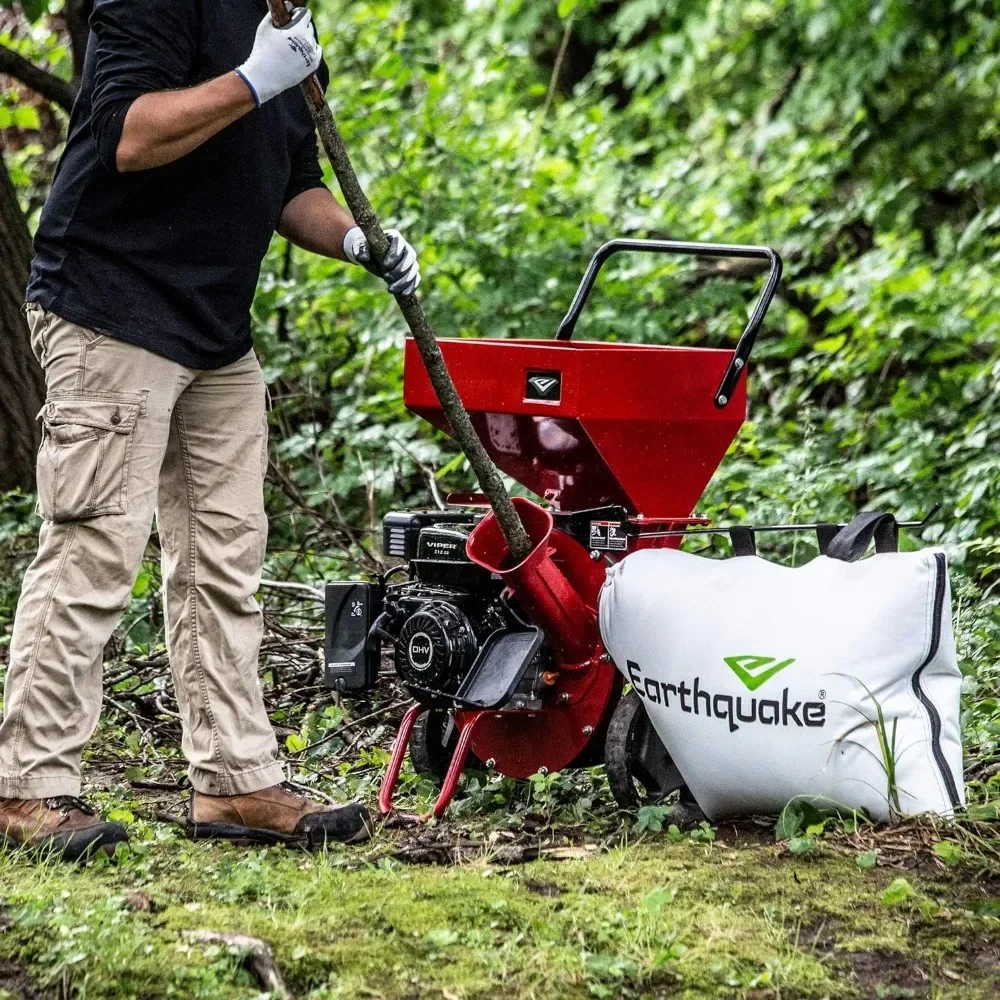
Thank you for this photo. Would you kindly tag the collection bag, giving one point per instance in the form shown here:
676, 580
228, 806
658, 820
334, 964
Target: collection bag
836, 681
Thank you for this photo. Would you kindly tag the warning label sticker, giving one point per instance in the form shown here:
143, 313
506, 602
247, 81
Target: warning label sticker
608, 536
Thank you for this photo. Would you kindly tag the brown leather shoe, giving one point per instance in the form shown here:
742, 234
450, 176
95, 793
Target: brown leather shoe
63, 826
275, 815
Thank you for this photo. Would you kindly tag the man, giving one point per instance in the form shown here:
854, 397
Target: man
184, 155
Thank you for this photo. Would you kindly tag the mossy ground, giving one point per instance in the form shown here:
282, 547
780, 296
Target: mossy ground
653, 916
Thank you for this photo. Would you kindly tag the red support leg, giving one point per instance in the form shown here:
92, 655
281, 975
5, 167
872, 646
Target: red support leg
399, 749
455, 768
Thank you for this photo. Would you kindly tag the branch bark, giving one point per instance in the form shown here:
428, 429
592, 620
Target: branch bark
775, 106
486, 472
41, 81
258, 956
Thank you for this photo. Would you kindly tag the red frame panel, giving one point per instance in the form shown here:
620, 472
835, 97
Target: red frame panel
636, 424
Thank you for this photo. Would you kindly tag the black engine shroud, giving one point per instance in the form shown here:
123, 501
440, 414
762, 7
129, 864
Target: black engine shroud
447, 623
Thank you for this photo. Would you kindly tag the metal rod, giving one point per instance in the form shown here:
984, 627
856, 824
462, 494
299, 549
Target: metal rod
773, 527
486, 472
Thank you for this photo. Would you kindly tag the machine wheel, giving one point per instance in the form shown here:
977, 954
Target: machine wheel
640, 771
429, 753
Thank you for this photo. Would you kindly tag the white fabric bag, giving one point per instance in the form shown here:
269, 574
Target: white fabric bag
765, 682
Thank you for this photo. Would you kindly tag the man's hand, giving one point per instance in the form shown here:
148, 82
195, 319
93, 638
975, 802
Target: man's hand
281, 57
401, 270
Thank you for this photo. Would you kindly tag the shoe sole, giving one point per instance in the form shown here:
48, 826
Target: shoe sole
74, 847
246, 836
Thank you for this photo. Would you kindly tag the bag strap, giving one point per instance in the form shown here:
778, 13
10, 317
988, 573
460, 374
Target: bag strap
851, 543
826, 533
744, 541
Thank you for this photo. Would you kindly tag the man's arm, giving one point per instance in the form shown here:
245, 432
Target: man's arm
164, 125
315, 221
161, 128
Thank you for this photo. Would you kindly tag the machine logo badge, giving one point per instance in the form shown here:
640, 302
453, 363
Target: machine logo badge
421, 651
544, 386
357, 610
755, 670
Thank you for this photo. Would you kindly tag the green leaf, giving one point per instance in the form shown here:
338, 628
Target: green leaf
801, 845
658, 899
867, 860
949, 852
123, 816
986, 812
797, 816
650, 818
26, 117
441, 938
33, 9
898, 892
830, 345
294, 743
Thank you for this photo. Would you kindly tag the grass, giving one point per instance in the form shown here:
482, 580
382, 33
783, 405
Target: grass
659, 917
838, 911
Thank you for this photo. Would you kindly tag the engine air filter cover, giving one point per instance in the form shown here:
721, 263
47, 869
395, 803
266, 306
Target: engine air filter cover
435, 647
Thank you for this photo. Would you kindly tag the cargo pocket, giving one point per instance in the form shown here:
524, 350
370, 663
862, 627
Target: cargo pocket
83, 462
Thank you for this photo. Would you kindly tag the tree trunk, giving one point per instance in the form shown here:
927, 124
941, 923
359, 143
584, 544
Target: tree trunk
22, 387
77, 15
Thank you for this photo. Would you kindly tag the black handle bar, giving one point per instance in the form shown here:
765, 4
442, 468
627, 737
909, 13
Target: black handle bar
749, 336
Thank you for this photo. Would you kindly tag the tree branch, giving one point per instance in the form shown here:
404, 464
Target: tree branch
774, 108
44, 83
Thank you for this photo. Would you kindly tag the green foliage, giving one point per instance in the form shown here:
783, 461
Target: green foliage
31, 9
798, 816
898, 892
949, 852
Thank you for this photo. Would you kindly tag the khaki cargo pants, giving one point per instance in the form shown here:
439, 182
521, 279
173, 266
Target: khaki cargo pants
127, 433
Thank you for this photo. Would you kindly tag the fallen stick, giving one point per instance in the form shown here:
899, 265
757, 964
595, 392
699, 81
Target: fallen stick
360, 207
258, 956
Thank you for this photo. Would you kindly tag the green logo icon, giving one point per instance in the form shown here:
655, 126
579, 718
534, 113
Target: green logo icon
756, 670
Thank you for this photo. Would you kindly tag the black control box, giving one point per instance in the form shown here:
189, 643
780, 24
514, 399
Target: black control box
352, 659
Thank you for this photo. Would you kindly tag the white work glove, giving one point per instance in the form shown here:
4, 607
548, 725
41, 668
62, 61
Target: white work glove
402, 269
281, 57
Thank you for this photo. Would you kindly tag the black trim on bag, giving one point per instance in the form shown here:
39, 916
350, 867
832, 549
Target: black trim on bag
932, 712
744, 540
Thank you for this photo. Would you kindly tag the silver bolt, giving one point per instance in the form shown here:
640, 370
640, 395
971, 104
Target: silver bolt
543, 771
595, 555
723, 400
738, 364
605, 657
518, 705
563, 698
491, 763
588, 730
